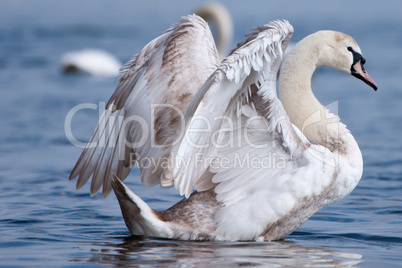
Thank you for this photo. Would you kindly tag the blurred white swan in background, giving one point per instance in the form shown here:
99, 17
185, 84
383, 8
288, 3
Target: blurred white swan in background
100, 63
259, 167
217, 14
95, 62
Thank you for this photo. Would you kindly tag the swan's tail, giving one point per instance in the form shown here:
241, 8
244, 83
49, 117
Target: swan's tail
138, 216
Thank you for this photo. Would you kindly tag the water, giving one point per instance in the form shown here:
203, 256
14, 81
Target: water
45, 221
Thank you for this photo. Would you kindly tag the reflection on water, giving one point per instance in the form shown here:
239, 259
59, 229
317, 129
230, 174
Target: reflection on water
138, 250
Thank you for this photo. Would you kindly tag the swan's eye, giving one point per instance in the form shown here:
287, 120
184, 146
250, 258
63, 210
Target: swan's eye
357, 57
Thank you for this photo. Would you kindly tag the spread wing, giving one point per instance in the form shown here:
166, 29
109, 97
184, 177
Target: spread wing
237, 122
143, 116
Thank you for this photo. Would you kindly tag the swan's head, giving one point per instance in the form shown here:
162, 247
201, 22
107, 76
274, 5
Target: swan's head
341, 52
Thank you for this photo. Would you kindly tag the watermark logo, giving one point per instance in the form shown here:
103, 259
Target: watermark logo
164, 126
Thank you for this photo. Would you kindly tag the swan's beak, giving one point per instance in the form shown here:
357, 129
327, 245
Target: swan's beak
360, 72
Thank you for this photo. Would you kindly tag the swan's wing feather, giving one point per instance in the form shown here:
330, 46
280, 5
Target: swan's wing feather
144, 113
270, 156
260, 152
254, 62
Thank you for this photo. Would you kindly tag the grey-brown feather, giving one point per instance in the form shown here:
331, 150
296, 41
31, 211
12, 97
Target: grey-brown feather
194, 213
173, 66
130, 210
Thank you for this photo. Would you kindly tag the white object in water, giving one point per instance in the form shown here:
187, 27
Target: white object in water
95, 62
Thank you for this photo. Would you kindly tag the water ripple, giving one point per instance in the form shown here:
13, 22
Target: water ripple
137, 250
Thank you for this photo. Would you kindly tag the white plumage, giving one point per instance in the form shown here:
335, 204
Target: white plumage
242, 158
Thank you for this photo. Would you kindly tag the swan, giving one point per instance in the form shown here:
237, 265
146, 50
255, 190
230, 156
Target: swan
217, 14
95, 62
251, 166
100, 63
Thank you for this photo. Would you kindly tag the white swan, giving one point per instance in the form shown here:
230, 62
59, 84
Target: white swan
216, 13
100, 63
254, 174
95, 62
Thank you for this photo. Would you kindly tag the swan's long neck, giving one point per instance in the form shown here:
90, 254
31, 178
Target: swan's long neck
219, 15
317, 124
304, 110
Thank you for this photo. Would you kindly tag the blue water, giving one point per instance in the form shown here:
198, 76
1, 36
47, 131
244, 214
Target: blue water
45, 221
